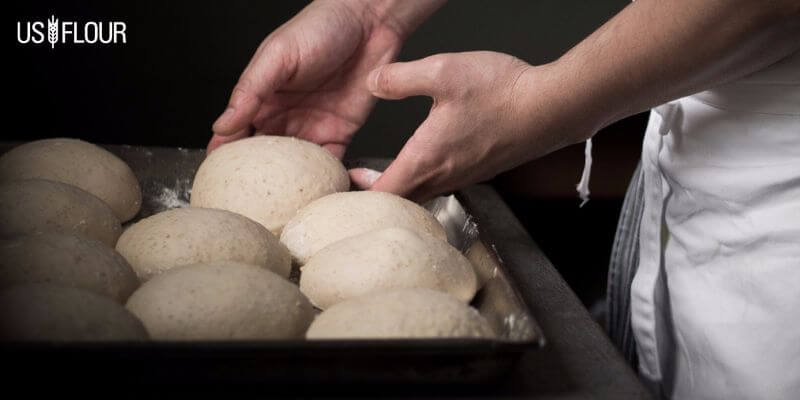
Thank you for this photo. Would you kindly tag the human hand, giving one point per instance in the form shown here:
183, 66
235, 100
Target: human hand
491, 112
307, 78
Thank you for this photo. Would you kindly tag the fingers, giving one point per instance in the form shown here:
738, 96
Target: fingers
401, 178
219, 140
259, 80
337, 149
364, 178
413, 172
423, 77
396, 179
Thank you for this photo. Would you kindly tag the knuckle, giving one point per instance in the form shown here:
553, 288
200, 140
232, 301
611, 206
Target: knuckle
275, 47
384, 79
242, 90
284, 53
447, 168
447, 74
243, 86
440, 66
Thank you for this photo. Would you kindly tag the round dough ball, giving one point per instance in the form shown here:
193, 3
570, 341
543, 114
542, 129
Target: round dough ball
220, 301
79, 164
183, 236
400, 313
45, 312
37, 205
267, 178
483, 262
386, 259
341, 215
66, 260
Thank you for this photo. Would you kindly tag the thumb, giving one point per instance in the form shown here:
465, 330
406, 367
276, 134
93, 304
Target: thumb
219, 140
396, 179
364, 178
405, 179
404, 79
409, 172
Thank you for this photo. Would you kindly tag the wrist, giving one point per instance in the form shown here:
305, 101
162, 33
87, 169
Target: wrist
556, 104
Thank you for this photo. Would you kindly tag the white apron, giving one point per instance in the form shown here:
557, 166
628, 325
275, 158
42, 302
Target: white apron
716, 299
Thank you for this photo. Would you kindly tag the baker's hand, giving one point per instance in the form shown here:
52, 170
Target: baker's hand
491, 112
307, 77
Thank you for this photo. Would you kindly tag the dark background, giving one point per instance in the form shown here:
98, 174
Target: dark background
168, 83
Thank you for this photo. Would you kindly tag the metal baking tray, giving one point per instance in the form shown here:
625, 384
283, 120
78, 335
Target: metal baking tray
166, 177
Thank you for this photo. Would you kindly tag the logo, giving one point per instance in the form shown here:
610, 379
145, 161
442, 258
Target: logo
52, 31
71, 32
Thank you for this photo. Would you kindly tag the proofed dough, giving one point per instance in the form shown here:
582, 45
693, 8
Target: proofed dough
46, 312
37, 205
400, 313
267, 178
385, 259
220, 301
184, 236
341, 215
66, 260
79, 164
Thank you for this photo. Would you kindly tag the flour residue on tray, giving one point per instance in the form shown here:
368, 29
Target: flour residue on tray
169, 196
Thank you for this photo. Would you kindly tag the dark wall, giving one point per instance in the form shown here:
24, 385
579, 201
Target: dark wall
164, 87
172, 78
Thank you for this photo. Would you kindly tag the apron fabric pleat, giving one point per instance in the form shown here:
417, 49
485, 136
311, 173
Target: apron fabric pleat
622, 267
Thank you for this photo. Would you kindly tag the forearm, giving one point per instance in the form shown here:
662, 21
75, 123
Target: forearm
655, 51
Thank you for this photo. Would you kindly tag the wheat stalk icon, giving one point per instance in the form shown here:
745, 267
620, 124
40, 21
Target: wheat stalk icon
52, 31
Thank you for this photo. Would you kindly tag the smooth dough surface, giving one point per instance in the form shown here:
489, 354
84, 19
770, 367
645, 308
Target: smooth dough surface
267, 178
386, 259
66, 260
341, 215
79, 164
400, 313
221, 301
36, 205
482, 261
183, 236
45, 312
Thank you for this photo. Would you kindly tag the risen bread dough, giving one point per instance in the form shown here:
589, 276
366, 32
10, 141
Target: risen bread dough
384, 259
482, 261
184, 236
79, 164
341, 215
66, 260
37, 205
44, 312
221, 300
267, 178
400, 313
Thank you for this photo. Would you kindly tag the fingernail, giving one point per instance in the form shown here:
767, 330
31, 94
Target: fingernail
371, 175
226, 115
364, 178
